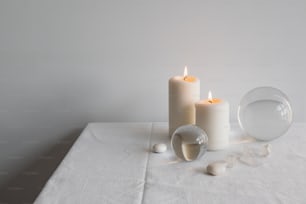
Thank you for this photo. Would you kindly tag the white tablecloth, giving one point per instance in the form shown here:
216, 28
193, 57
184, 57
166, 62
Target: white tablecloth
113, 163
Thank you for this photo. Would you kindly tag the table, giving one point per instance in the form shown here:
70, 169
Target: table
113, 163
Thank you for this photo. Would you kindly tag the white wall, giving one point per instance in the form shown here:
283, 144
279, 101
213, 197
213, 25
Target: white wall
65, 63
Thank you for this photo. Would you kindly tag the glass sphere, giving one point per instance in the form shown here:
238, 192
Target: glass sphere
189, 142
265, 113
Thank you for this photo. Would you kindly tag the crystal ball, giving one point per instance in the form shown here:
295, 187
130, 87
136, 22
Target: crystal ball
265, 113
189, 142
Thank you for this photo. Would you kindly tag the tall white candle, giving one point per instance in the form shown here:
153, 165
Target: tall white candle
212, 115
184, 91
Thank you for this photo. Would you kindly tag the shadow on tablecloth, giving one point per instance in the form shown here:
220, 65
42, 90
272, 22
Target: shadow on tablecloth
28, 183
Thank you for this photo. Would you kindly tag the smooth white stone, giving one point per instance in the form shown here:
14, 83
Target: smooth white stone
159, 148
268, 149
217, 168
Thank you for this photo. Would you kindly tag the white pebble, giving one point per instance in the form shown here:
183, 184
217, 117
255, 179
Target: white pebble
268, 149
159, 148
217, 168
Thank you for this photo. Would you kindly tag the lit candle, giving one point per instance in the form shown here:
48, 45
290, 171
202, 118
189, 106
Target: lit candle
212, 115
184, 91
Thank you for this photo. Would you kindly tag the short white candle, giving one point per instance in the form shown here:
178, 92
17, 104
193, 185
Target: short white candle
184, 91
212, 115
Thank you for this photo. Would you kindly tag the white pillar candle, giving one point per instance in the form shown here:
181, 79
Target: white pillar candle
184, 91
212, 115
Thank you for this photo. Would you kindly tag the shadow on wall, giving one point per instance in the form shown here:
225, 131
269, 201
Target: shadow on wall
25, 187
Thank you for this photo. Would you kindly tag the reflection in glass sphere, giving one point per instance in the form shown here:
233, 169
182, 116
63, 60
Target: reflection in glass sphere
265, 113
189, 142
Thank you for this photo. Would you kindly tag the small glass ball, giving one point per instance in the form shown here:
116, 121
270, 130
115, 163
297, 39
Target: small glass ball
189, 142
265, 113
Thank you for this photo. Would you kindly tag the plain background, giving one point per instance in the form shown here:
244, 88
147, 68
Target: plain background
65, 63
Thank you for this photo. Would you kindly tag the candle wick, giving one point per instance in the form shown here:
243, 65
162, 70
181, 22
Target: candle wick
185, 78
210, 101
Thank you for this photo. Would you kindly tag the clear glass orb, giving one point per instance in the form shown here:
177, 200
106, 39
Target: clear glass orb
189, 142
265, 113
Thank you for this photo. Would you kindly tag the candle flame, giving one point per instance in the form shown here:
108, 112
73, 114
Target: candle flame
185, 72
209, 97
